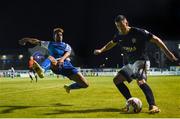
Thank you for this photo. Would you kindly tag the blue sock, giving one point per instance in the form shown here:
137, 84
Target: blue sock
148, 93
75, 86
46, 64
124, 90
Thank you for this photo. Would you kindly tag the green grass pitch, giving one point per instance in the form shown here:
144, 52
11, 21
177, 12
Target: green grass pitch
47, 99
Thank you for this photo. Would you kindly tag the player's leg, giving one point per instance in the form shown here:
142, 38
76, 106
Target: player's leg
119, 83
149, 96
142, 77
40, 69
30, 76
12, 75
35, 75
67, 69
124, 75
80, 82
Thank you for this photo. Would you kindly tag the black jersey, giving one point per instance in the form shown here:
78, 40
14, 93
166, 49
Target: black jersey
133, 44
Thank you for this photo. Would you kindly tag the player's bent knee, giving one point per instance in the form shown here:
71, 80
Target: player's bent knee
140, 82
80, 79
86, 85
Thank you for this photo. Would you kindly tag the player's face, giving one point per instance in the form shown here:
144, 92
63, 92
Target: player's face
121, 25
58, 36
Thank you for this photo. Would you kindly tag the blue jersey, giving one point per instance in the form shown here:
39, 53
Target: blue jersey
133, 44
57, 50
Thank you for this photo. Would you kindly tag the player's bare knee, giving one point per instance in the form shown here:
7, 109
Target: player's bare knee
140, 82
84, 82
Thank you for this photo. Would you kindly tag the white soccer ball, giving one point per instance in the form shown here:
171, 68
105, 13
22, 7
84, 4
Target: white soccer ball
134, 105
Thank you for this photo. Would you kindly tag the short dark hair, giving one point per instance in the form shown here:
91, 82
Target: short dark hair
119, 18
58, 30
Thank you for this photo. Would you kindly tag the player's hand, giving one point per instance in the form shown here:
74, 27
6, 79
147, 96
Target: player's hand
97, 52
53, 60
177, 62
61, 61
23, 41
54, 63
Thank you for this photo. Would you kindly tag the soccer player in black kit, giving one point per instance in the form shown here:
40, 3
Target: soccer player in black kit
132, 41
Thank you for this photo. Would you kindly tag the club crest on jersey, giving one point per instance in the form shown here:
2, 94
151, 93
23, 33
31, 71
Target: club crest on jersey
133, 40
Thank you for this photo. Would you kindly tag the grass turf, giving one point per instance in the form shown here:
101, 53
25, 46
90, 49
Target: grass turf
47, 99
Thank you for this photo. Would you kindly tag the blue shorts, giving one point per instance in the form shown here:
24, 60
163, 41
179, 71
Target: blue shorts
67, 69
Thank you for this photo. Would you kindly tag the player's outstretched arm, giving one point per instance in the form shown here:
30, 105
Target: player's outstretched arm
164, 48
105, 48
23, 41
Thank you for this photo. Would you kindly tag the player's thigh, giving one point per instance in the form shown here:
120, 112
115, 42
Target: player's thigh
119, 78
140, 69
79, 78
125, 74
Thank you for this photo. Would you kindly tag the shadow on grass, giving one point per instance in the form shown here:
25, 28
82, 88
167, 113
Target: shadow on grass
142, 111
133, 113
82, 111
56, 112
10, 109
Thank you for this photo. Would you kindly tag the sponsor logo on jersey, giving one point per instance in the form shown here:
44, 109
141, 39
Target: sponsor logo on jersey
129, 49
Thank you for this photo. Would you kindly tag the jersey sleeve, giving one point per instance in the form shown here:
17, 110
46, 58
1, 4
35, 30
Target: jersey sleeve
148, 35
68, 48
116, 38
45, 44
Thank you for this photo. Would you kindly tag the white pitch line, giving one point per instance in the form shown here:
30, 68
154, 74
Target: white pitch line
27, 90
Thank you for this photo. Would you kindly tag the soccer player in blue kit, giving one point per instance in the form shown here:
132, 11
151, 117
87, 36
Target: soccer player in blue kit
132, 41
58, 60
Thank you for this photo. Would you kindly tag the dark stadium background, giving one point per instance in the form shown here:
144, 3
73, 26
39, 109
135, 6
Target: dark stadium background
88, 24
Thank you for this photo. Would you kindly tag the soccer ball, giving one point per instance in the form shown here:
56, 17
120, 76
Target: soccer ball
133, 105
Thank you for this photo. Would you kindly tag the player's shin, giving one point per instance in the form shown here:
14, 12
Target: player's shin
124, 90
72, 86
148, 93
75, 86
31, 77
36, 78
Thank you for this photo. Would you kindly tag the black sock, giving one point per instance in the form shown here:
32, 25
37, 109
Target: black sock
75, 86
124, 90
31, 77
148, 93
36, 78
